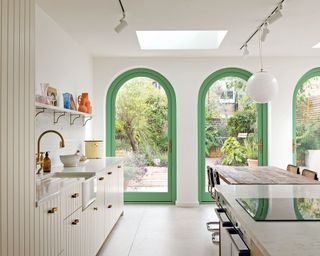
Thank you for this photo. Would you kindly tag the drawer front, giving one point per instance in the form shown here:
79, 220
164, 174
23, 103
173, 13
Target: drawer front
72, 228
71, 199
48, 219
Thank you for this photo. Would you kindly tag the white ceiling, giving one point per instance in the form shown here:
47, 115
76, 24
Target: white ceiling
92, 22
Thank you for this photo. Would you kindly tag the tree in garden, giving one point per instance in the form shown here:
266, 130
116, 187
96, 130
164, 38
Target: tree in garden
129, 107
141, 115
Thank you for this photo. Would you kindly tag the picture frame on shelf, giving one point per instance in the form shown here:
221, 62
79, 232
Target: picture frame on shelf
73, 105
52, 96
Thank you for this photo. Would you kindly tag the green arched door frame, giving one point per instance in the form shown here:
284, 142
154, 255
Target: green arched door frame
262, 124
310, 74
169, 196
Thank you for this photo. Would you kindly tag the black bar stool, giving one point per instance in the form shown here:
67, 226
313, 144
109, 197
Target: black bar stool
213, 226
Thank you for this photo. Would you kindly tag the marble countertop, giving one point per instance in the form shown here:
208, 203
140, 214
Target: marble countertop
51, 184
92, 165
283, 238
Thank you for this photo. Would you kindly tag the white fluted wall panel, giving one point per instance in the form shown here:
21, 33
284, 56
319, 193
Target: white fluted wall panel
17, 178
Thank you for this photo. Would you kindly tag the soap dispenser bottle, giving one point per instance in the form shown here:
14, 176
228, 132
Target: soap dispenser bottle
47, 163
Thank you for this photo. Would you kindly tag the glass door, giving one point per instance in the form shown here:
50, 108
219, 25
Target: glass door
144, 135
232, 127
306, 125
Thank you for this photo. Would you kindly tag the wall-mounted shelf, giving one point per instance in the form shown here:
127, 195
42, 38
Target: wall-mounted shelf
60, 112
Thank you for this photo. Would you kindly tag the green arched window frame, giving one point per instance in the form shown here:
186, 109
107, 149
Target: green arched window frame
262, 124
310, 74
170, 196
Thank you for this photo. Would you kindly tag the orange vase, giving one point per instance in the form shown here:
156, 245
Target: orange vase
84, 102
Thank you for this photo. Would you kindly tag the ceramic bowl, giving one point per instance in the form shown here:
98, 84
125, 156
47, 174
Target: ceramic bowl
70, 160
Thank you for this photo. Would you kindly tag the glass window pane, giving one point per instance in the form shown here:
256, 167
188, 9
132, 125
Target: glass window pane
142, 135
307, 124
231, 127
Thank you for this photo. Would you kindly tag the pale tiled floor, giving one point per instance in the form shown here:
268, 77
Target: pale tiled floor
162, 230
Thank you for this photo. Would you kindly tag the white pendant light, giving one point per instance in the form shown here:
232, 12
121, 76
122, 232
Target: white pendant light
262, 87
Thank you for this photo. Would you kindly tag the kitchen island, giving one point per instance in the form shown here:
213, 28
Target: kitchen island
283, 228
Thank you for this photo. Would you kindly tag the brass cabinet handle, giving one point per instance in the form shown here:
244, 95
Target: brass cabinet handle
119, 166
95, 208
75, 222
110, 206
109, 173
75, 195
53, 210
101, 178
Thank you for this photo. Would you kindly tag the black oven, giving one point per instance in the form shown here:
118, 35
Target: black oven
231, 240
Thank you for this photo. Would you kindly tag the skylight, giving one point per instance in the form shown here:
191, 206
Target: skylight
316, 46
180, 40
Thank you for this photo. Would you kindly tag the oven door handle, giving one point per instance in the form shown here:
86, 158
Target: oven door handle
238, 246
223, 218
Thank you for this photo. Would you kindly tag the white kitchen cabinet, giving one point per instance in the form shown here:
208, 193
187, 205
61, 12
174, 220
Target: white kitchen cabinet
71, 199
72, 229
49, 236
113, 196
88, 234
109, 202
99, 213
120, 190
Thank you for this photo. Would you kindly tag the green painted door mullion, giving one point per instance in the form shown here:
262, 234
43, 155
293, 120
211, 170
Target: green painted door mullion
263, 133
169, 196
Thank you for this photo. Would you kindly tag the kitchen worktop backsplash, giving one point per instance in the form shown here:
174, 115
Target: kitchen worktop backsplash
74, 136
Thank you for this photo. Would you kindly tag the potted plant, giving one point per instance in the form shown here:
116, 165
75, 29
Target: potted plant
251, 146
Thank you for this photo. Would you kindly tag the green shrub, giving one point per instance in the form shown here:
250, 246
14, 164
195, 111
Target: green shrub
163, 160
241, 122
213, 138
234, 154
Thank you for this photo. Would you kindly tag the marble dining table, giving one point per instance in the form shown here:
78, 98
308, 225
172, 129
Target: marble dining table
264, 175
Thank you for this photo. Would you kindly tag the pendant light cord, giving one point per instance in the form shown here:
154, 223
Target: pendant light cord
122, 9
260, 51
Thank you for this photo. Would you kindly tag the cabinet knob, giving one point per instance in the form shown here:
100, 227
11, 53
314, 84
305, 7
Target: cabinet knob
75, 222
53, 210
101, 178
119, 166
110, 206
75, 195
95, 208
109, 173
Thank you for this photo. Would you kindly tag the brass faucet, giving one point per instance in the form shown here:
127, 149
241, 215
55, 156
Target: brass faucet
40, 155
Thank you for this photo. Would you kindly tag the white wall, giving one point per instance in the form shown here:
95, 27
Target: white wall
186, 76
68, 67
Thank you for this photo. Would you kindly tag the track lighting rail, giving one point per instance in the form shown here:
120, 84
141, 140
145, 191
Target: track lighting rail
278, 8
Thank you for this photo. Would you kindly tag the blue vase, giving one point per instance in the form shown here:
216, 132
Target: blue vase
66, 100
